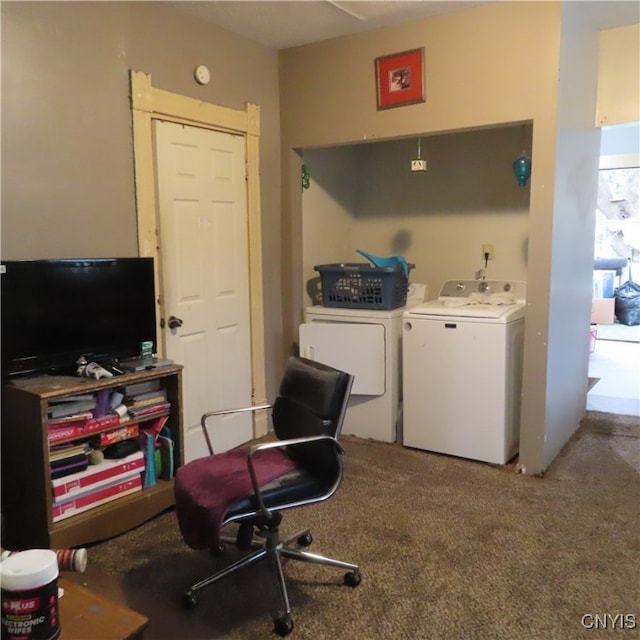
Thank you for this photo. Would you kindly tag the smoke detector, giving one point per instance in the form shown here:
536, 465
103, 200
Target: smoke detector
201, 74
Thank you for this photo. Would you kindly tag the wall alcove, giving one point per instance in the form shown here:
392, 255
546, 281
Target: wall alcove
366, 196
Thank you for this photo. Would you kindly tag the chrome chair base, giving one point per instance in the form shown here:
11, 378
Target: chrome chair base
271, 547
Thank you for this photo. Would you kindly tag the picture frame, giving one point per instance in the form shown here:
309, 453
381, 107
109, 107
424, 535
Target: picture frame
400, 79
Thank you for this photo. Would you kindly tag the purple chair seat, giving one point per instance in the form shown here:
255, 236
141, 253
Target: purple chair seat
207, 488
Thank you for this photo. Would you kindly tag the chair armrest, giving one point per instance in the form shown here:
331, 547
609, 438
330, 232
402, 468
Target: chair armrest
222, 412
279, 444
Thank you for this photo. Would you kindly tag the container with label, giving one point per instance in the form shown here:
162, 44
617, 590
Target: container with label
29, 582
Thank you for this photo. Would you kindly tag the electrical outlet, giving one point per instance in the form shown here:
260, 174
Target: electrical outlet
487, 249
418, 165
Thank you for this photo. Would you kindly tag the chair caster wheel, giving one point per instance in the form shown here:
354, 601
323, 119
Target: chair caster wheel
305, 540
353, 578
189, 600
219, 550
283, 626
244, 537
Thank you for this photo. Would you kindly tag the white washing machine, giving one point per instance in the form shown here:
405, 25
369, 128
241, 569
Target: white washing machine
367, 344
462, 370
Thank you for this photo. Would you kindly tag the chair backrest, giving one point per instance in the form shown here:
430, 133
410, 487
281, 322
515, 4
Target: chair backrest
312, 401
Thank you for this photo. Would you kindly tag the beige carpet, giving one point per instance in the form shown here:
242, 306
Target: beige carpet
449, 549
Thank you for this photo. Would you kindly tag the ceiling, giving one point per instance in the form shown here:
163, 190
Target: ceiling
281, 25
292, 23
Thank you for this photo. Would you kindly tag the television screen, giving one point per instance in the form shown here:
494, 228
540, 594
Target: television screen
54, 311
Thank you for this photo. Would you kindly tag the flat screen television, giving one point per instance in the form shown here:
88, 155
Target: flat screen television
54, 311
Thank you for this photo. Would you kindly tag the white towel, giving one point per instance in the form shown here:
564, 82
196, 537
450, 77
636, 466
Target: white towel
492, 298
454, 302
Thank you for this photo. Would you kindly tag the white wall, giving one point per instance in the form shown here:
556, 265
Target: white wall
570, 284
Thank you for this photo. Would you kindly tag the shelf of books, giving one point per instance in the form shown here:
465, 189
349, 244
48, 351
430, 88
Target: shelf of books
95, 458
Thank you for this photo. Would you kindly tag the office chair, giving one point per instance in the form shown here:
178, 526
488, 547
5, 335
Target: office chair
252, 486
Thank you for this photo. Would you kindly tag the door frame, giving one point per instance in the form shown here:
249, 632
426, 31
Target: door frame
149, 103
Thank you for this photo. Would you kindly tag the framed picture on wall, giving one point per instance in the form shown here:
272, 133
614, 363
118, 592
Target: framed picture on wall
400, 78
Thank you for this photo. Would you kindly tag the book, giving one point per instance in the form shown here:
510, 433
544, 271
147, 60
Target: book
154, 426
68, 469
122, 433
142, 387
81, 397
92, 499
86, 428
143, 400
147, 394
64, 451
96, 476
138, 412
74, 417
69, 408
64, 462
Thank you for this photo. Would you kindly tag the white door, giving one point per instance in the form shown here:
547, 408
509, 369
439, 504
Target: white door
205, 277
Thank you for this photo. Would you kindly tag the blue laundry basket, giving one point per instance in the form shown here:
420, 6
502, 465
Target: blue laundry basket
362, 286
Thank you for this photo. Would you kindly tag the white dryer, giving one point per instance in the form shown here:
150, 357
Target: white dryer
367, 344
462, 370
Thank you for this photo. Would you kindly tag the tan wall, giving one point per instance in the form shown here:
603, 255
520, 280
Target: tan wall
619, 76
470, 79
67, 171
489, 65
328, 212
366, 196
67, 166
328, 98
493, 64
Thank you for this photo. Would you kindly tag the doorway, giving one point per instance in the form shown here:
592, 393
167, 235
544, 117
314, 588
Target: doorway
150, 104
203, 219
615, 357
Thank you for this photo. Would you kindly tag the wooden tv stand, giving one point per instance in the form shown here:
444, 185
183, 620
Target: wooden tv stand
27, 497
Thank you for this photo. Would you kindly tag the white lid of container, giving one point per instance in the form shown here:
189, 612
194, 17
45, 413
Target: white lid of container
28, 570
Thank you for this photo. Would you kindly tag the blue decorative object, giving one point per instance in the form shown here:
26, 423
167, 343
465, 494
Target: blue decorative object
522, 168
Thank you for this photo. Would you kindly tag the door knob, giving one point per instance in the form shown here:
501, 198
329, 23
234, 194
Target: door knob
173, 322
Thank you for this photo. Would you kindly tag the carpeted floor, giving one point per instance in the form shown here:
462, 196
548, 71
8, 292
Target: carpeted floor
448, 548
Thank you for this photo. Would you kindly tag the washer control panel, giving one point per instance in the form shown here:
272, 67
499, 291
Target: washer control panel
464, 288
